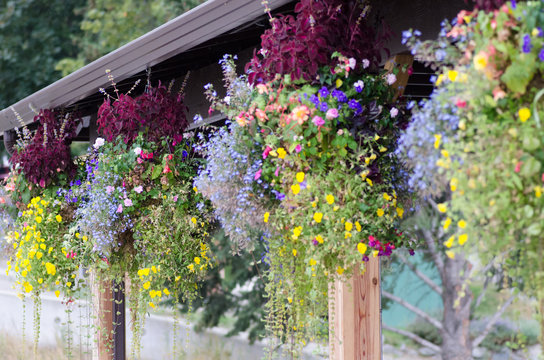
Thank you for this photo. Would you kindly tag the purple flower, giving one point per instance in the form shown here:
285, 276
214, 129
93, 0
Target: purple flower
366, 63
339, 95
128, 202
298, 148
175, 198
359, 86
513, 2
315, 100
315, 242
527, 44
318, 120
139, 189
323, 106
541, 54
323, 92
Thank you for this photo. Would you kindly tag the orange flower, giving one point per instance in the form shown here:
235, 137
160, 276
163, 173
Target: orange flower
300, 114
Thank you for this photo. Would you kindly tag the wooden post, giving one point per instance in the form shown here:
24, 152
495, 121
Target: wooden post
118, 320
356, 316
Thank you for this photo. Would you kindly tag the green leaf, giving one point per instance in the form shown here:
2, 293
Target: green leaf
531, 143
530, 167
156, 172
518, 75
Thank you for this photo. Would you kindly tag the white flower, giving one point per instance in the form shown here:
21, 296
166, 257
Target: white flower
98, 143
352, 63
226, 99
391, 79
138, 151
366, 63
359, 85
394, 112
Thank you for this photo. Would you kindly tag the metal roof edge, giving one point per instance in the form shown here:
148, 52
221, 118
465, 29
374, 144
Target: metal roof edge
190, 29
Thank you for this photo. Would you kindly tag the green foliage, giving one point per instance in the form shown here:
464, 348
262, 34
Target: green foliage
35, 35
218, 296
107, 25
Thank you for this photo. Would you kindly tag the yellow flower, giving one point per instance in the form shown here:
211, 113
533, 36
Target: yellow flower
295, 188
68, 284
463, 239
50, 268
195, 189
387, 197
449, 243
39, 255
57, 293
348, 226
338, 83
439, 79
462, 224
197, 260
312, 262
318, 216
294, 252
380, 212
290, 299
297, 231
314, 204
447, 223
383, 149
375, 253
38, 219
450, 254
152, 294
437, 138
266, 216
59, 218
445, 153
151, 304
376, 137
452, 75
400, 212
28, 287
146, 285
330, 199
347, 235
319, 239
369, 181
361, 248
300, 177
442, 208
535, 32
524, 114
40, 280
191, 267
462, 125
340, 270
480, 61
281, 153
453, 184
538, 191
358, 226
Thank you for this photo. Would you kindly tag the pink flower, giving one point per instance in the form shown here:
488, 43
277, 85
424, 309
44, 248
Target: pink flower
352, 63
120, 208
166, 170
300, 114
139, 160
266, 151
366, 63
391, 79
261, 115
318, 120
258, 174
128, 202
2, 200
518, 166
175, 198
42, 183
332, 114
461, 103
394, 112
170, 157
298, 148
109, 189
262, 89
277, 172
139, 189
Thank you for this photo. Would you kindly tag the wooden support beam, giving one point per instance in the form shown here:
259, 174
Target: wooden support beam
103, 312
355, 312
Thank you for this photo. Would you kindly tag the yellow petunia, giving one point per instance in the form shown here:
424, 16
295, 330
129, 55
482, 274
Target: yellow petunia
449, 243
524, 114
361, 248
318, 217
